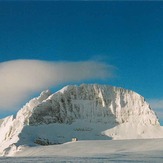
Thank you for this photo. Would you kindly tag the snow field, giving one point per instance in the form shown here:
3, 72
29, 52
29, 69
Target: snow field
98, 151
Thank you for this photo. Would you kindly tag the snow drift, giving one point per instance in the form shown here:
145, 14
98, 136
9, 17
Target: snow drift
88, 112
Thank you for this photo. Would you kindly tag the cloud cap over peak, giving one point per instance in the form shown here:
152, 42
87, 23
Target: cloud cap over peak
20, 78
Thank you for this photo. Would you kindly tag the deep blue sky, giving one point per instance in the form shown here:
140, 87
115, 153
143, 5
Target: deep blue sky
127, 35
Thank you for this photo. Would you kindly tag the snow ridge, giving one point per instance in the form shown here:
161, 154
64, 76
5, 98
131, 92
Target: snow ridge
12, 126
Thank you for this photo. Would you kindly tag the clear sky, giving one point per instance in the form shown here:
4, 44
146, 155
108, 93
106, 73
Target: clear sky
126, 35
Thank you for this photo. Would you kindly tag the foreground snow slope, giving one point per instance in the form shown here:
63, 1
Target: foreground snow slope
88, 112
93, 148
142, 150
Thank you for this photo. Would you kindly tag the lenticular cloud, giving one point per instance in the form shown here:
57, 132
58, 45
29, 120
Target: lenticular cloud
21, 78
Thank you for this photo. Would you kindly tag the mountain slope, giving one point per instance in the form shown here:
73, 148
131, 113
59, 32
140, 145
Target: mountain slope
88, 112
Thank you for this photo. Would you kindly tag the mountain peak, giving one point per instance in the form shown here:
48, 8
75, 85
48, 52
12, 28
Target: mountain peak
88, 111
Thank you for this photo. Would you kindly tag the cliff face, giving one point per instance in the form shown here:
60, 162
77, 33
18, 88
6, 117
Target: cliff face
86, 111
98, 103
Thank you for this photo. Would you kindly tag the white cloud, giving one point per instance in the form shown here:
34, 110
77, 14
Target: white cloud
156, 103
20, 78
157, 106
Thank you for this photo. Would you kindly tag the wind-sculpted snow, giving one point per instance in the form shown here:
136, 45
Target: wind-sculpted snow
88, 112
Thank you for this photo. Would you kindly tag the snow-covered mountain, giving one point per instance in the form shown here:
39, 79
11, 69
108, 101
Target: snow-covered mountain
88, 112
